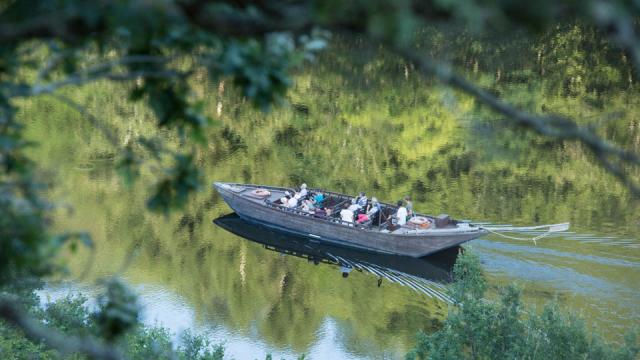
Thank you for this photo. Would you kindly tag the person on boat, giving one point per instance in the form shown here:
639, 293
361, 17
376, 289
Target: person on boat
401, 214
373, 208
371, 211
308, 205
319, 198
320, 212
362, 218
362, 200
303, 191
346, 214
354, 205
292, 203
409, 206
285, 199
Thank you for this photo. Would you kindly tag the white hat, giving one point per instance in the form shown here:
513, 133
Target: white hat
287, 193
374, 199
303, 186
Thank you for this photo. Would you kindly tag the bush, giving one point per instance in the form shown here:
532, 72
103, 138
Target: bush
477, 328
72, 316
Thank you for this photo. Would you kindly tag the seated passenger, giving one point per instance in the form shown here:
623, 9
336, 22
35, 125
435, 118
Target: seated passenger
293, 202
303, 191
346, 214
320, 212
362, 218
409, 206
308, 205
373, 208
362, 200
401, 215
285, 199
354, 205
319, 198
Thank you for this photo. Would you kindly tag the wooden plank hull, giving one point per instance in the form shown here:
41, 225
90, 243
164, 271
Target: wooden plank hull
336, 232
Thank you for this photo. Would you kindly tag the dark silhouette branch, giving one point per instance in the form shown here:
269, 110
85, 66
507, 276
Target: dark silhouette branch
552, 126
35, 331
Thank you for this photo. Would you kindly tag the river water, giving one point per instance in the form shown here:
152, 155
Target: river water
358, 120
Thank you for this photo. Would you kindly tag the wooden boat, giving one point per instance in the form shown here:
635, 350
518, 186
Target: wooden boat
260, 204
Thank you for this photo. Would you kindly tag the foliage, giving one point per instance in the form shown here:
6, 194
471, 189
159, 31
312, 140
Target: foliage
478, 328
72, 315
69, 315
118, 309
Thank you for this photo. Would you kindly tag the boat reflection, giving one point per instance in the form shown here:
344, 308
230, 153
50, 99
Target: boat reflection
428, 275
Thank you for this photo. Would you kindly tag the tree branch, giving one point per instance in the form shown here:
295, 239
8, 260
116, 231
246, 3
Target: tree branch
36, 332
551, 126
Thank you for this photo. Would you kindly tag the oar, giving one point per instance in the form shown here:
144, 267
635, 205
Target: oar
552, 228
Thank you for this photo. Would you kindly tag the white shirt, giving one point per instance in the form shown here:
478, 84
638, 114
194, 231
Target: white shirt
402, 215
346, 215
354, 207
303, 192
293, 202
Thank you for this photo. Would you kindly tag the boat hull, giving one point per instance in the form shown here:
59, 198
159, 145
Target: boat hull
305, 225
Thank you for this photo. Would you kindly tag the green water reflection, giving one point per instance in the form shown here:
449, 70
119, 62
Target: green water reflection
360, 119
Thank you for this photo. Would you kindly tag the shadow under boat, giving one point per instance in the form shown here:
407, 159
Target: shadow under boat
428, 275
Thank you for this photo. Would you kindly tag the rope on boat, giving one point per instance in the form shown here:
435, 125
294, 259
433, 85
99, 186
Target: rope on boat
551, 229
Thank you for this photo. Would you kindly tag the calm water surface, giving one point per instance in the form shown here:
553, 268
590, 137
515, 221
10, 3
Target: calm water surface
366, 124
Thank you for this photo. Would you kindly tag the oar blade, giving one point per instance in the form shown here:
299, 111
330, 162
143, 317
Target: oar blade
559, 227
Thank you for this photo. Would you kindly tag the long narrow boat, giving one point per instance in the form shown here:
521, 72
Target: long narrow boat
260, 204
